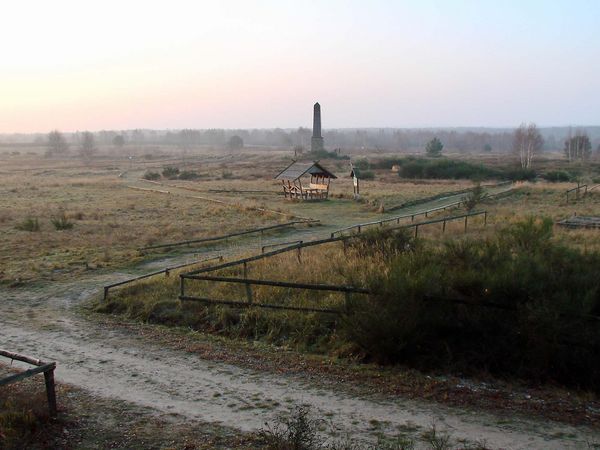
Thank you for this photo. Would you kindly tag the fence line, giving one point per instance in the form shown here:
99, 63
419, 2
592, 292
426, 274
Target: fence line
202, 274
577, 190
412, 216
226, 236
166, 271
279, 244
41, 367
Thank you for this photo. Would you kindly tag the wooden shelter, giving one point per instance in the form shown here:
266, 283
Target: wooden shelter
315, 189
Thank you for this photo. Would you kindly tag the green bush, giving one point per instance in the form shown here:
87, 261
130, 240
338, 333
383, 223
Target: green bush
367, 175
445, 169
149, 175
518, 305
519, 174
29, 224
558, 176
170, 173
189, 175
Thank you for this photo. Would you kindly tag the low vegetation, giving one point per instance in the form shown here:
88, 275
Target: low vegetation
23, 416
517, 303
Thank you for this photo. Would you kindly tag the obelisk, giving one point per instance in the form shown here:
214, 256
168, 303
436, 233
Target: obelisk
316, 143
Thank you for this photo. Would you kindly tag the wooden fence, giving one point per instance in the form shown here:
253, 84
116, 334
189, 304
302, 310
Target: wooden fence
166, 271
41, 367
203, 274
577, 190
358, 228
226, 236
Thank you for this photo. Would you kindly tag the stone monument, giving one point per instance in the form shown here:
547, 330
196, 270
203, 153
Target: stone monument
316, 143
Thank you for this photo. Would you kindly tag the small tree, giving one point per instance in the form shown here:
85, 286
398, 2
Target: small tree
434, 148
87, 147
474, 197
578, 147
487, 148
235, 143
118, 141
527, 142
57, 144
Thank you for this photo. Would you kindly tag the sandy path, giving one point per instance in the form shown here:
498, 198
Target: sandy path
114, 364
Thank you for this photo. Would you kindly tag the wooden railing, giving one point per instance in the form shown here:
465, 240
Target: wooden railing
230, 235
41, 367
166, 271
577, 190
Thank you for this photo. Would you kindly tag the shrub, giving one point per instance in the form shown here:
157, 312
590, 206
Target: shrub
29, 224
518, 304
189, 175
362, 164
367, 175
227, 175
520, 174
558, 176
444, 169
149, 175
61, 222
170, 173
474, 197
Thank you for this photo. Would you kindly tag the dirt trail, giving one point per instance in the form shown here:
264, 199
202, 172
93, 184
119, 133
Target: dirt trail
112, 363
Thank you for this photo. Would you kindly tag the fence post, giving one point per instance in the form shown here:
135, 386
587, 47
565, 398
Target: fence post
299, 254
167, 272
444, 226
248, 288
105, 292
181, 286
359, 228
347, 300
50, 391
416, 231
412, 218
466, 218
485, 218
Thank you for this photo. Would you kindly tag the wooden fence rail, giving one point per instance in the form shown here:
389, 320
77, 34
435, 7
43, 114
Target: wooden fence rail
226, 236
577, 190
359, 227
166, 271
412, 216
41, 367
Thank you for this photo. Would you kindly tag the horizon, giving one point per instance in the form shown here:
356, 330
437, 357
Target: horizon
112, 66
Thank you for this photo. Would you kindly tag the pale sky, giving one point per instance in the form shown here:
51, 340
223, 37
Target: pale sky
77, 65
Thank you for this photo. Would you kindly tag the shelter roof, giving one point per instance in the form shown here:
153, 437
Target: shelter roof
299, 168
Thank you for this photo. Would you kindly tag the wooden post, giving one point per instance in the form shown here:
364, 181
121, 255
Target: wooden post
105, 292
181, 286
416, 231
412, 218
466, 217
50, 391
444, 226
485, 218
299, 254
248, 288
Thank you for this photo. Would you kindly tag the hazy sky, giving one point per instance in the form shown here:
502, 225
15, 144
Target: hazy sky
110, 64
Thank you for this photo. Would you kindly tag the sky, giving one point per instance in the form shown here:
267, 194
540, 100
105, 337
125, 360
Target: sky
92, 65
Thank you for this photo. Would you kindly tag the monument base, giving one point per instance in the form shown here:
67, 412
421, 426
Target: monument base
316, 144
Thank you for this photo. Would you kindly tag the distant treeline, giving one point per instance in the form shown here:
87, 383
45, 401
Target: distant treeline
466, 140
